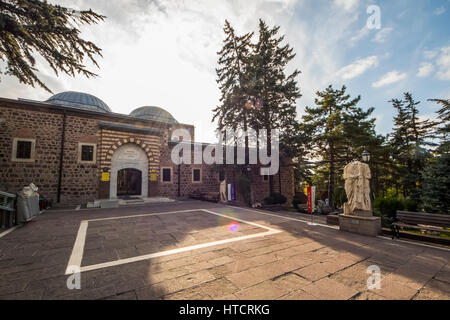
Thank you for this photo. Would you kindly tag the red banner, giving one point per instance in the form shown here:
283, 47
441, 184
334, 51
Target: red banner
309, 191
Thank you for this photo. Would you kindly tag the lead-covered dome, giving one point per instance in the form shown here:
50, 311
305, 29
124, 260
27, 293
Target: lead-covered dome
155, 114
79, 100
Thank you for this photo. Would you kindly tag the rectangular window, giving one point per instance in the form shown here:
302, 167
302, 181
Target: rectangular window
166, 174
87, 153
266, 177
23, 149
196, 175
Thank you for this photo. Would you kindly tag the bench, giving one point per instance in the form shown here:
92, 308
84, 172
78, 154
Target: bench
7, 210
205, 196
420, 221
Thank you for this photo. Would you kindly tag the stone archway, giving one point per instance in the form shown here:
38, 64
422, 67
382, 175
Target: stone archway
129, 156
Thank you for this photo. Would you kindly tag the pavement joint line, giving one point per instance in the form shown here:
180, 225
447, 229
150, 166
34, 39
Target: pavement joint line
78, 249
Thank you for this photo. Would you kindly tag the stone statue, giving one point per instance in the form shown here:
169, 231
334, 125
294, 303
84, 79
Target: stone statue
357, 187
223, 191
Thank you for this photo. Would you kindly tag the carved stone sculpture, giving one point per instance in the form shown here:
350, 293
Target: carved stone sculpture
357, 187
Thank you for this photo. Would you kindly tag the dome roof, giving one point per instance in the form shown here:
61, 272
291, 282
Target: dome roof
155, 114
79, 100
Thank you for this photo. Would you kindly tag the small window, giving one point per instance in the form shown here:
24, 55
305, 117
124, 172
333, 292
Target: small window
23, 150
87, 153
196, 175
266, 177
166, 174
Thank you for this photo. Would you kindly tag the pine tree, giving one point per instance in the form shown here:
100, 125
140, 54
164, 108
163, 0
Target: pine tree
269, 84
436, 175
443, 130
231, 114
436, 185
30, 27
332, 128
409, 140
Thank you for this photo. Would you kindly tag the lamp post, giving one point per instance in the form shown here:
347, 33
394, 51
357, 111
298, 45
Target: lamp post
366, 158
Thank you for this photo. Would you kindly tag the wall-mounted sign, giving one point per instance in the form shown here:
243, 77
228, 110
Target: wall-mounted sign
153, 176
105, 176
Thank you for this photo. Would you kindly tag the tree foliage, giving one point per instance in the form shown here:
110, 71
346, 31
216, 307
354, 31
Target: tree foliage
436, 185
232, 79
443, 130
336, 132
33, 27
256, 92
409, 140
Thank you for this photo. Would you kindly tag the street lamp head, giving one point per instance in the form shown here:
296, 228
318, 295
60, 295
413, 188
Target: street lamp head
366, 156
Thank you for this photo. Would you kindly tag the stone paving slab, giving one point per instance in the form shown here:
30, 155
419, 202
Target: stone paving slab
303, 262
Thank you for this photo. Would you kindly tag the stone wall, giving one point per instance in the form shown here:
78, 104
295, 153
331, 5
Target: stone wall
211, 182
43, 172
81, 182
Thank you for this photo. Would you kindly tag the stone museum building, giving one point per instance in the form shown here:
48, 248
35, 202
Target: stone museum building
76, 150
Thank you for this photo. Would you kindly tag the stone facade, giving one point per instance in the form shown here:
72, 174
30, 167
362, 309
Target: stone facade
53, 128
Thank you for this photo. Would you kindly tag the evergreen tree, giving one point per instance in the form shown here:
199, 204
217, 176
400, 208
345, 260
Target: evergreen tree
443, 131
436, 185
30, 27
409, 140
271, 88
337, 132
232, 114
436, 175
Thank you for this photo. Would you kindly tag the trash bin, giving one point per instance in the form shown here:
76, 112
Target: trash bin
27, 203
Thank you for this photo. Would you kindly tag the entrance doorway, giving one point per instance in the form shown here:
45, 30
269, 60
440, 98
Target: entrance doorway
129, 182
129, 172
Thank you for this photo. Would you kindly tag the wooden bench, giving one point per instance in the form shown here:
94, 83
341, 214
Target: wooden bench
7, 210
420, 221
205, 196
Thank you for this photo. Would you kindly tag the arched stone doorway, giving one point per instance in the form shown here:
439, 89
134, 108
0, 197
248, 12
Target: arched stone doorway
132, 163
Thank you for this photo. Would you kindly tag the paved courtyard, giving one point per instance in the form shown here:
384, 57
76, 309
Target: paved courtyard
198, 250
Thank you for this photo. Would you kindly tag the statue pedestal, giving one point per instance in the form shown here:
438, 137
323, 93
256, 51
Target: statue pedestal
365, 225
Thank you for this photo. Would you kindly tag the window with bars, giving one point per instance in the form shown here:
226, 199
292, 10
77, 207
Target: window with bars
23, 150
166, 174
196, 175
87, 153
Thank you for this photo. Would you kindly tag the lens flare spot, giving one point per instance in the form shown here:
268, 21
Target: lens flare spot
233, 226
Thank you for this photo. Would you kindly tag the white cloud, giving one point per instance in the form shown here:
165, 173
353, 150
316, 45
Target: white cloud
439, 11
381, 36
430, 54
358, 67
362, 33
389, 78
348, 5
425, 70
443, 64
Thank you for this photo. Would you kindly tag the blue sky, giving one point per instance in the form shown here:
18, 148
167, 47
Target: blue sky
163, 52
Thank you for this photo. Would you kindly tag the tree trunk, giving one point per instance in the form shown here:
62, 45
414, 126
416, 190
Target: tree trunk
269, 153
331, 179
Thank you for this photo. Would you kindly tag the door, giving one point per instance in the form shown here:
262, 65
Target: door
129, 182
